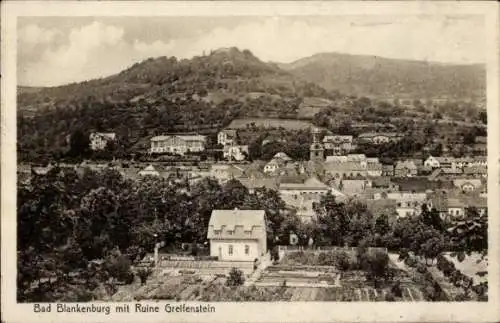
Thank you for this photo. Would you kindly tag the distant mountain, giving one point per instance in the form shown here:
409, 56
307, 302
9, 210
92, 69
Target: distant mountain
384, 77
226, 73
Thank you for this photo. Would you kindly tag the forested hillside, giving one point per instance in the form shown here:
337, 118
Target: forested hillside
230, 73
206, 93
383, 77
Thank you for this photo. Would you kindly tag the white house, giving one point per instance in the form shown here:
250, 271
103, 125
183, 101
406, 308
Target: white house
467, 185
238, 152
149, 171
274, 165
226, 137
408, 203
99, 140
237, 235
432, 162
178, 144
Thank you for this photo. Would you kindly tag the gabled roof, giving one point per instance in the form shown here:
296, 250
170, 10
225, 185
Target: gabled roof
376, 134
476, 170
462, 181
337, 139
104, 135
182, 137
149, 168
347, 166
229, 132
311, 183
253, 183
444, 159
283, 156
336, 159
408, 164
232, 218
480, 140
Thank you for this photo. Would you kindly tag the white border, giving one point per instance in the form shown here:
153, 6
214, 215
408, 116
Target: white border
248, 312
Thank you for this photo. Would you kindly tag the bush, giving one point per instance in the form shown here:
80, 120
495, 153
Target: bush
143, 274
396, 289
235, 278
389, 297
119, 267
342, 262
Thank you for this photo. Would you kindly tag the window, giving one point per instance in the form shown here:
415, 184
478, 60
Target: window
230, 232
247, 249
230, 250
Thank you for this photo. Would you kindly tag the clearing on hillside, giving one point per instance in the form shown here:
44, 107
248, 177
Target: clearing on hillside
289, 124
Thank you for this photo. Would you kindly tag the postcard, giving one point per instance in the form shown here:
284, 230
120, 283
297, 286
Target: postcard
250, 161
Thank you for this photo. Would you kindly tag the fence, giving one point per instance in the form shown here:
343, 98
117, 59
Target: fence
328, 248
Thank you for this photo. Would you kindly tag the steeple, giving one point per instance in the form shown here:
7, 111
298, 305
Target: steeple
317, 150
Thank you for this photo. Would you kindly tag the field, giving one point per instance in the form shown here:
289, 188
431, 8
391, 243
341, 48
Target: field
213, 289
289, 124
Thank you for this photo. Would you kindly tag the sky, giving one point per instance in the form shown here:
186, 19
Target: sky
59, 50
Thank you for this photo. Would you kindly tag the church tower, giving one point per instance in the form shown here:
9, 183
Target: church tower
317, 150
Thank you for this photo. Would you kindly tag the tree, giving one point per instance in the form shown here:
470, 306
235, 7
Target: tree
483, 116
235, 278
377, 266
79, 144
382, 225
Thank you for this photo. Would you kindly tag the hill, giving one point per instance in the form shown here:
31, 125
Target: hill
226, 72
389, 78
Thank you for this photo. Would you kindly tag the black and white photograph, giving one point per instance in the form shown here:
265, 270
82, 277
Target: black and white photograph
201, 159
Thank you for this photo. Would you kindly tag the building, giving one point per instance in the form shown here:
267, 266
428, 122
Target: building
302, 196
445, 162
235, 152
237, 235
252, 183
345, 170
405, 169
316, 151
227, 137
432, 162
374, 169
177, 144
273, 165
467, 185
99, 140
338, 145
378, 138
388, 170
225, 172
408, 203
283, 156
456, 208
476, 171
312, 187
480, 145
462, 162
354, 187
149, 170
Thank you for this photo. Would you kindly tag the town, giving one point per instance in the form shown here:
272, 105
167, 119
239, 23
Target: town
337, 226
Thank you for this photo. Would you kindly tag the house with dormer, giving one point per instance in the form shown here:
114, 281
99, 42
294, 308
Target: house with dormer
237, 235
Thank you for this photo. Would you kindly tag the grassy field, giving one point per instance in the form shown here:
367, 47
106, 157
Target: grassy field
289, 124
